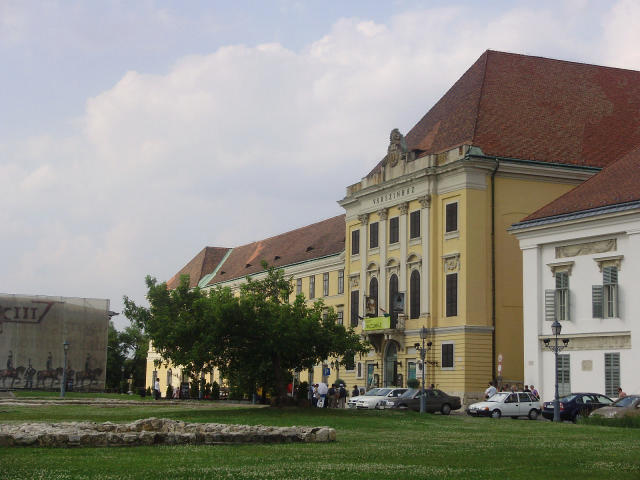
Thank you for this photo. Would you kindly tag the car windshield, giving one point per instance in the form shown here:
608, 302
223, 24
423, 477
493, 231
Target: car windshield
409, 393
373, 392
623, 402
380, 393
498, 397
567, 398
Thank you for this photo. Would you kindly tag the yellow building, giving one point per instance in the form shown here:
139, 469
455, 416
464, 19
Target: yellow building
424, 237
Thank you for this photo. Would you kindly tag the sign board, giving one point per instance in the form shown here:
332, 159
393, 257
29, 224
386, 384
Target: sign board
377, 323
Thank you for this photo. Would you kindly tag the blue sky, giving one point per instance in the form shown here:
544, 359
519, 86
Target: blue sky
132, 134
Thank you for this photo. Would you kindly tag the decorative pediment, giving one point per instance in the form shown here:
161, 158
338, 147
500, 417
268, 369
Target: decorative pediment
614, 261
451, 262
560, 267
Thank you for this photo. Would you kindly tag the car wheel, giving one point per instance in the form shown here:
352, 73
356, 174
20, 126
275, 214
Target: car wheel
445, 409
496, 414
533, 414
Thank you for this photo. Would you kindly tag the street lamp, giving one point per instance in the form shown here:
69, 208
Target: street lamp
121, 378
556, 328
423, 354
65, 345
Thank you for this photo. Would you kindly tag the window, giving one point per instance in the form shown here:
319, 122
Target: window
340, 317
325, 284
169, 377
373, 235
340, 281
414, 224
298, 286
394, 230
355, 242
393, 297
611, 374
411, 370
564, 375
354, 308
451, 217
562, 295
312, 286
447, 355
414, 295
372, 301
557, 301
605, 296
349, 361
359, 374
452, 295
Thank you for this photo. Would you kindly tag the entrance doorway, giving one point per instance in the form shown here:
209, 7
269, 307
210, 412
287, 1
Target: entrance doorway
391, 364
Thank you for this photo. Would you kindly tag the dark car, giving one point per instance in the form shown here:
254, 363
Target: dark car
576, 405
436, 401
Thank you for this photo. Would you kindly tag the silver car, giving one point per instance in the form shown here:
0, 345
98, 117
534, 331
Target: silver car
507, 404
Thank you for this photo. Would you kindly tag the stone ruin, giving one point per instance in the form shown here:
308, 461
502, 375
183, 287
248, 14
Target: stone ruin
153, 431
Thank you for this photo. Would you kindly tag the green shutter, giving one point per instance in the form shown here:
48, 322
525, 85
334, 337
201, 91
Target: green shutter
549, 305
597, 301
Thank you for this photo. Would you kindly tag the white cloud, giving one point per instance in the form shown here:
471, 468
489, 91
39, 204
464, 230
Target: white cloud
235, 145
622, 35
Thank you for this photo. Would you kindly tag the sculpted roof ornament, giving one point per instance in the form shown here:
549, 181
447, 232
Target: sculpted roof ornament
397, 148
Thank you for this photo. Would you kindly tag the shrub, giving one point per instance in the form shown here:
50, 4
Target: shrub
148, 391
169, 393
302, 391
413, 383
625, 422
215, 391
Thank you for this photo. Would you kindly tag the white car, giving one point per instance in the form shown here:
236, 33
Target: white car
351, 402
507, 404
377, 398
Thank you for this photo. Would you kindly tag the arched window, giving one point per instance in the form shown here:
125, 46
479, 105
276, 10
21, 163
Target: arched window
373, 294
393, 292
414, 294
169, 377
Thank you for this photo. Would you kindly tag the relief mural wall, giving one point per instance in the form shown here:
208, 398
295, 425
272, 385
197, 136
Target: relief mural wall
33, 330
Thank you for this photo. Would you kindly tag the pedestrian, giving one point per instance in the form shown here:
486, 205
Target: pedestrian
331, 395
534, 392
490, 391
342, 396
156, 388
621, 394
323, 389
315, 395
355, 392
526, 388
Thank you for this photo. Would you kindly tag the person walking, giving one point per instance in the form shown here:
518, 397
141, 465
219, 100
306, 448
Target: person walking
490, 391
355, 392
534, 391
621, 394
342, 396
156, 388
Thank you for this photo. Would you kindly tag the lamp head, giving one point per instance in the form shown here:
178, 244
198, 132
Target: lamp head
416, 346
423, 333
66, 345
565, 341
546, 341
429, 344
556, 328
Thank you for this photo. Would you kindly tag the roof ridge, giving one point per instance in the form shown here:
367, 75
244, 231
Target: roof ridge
291, 231
482, 84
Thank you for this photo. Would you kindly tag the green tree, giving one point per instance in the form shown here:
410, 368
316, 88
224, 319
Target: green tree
257, 338
128, 349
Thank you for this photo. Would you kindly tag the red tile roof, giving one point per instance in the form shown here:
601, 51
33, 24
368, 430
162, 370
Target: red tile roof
535, 108
307, 243
617, 184
202, 264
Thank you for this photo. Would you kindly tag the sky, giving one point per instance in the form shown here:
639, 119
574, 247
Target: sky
135, 133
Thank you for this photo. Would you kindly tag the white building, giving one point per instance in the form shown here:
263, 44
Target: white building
581, 258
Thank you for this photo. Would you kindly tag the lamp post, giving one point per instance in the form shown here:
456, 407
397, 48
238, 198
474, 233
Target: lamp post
556, 328
63, 386
423, 355
121, 378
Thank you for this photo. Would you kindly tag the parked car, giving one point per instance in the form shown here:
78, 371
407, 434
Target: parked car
507, 404
351, 403
435, 401
576, 405
377, 399
629, 405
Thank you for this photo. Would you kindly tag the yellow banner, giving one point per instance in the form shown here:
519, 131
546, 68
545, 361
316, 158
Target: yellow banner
377, 323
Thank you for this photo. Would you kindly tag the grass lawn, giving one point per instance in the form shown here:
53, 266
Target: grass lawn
371, 445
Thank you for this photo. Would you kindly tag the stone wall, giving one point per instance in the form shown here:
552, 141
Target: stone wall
153, 431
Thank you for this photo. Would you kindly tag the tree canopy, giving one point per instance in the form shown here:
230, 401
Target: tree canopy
257, 337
